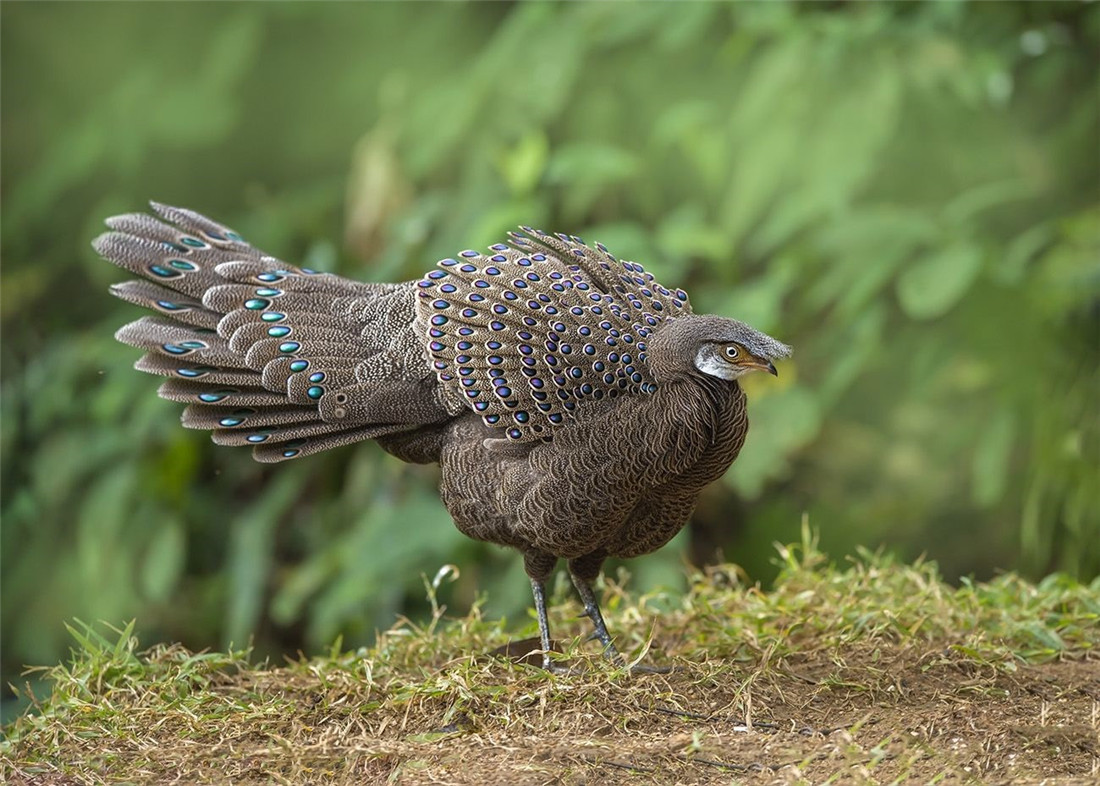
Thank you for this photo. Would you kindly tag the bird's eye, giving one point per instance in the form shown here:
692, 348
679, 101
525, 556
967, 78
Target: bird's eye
732, 352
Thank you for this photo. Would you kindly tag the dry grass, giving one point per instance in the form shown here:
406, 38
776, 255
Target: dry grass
878, 673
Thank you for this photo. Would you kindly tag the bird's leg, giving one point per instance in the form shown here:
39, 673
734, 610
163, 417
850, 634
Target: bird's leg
592, 611
538, 589
539, 567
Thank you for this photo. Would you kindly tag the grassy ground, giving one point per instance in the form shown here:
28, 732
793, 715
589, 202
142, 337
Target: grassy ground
875, 673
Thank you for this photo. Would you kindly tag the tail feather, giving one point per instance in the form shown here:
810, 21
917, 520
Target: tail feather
162, 300
307, 446
266, 354
164, 366
205, 416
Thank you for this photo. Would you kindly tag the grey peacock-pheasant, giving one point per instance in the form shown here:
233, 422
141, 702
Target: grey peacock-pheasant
576, 407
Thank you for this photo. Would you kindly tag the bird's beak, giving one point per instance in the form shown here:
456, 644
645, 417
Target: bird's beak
762, 364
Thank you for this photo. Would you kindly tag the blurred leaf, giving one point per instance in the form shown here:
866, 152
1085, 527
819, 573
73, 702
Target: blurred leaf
251, 548
932, 286
991, 458
163, 561
585, 170
778, 424
523, 164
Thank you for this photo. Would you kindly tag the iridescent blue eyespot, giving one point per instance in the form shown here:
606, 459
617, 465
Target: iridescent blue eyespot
495, 360
194, 373
230, 422
437, 274
440, 304
256, 304
163, 272
217, 395
468, 268
181, 264
272, 316
278, 332
268, 292
468, 253
289, 346
496, 325
438, 320
493, 345
315, 392
317, 376
469, 313
174, 349
194, 242
492, 419
256, 438
269, 277
299, 365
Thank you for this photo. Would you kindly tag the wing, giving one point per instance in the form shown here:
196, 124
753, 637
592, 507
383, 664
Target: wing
280, 358
529, 333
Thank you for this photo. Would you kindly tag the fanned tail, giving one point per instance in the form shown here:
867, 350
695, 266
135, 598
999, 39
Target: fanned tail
265, 354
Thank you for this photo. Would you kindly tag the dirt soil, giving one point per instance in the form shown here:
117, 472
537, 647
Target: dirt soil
875, 717
864, 715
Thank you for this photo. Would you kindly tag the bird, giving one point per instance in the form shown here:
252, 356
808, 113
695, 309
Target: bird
575, 405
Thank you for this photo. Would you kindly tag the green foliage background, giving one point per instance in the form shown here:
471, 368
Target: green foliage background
908, 193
